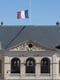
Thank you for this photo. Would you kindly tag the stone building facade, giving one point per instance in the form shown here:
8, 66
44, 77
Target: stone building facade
29, 59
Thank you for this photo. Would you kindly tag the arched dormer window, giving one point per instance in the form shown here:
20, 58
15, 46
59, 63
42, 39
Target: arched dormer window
15, 65
45, 65
30, 65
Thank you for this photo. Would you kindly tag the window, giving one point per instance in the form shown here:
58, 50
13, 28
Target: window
45, 65
15, 65
30, 65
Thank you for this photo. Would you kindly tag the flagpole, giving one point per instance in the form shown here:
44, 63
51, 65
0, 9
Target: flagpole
30, 11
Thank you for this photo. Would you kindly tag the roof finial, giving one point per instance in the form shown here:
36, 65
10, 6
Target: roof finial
57, 23
1, 23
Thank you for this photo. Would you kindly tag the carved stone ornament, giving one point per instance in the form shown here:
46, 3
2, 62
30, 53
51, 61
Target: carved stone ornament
28, 45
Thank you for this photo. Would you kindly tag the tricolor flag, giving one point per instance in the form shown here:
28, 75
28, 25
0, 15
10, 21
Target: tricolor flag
22, 14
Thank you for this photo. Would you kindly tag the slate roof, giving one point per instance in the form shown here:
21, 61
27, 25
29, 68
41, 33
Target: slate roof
12, 35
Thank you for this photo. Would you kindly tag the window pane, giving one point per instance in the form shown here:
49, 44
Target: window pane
30, 63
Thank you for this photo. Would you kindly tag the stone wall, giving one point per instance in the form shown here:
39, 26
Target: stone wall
8, 56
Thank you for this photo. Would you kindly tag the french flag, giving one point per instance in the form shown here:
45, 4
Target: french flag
22, 14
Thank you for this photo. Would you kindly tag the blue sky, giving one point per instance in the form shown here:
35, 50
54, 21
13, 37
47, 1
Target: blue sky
41, 12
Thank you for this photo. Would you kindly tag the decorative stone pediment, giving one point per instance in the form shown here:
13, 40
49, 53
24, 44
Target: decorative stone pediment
28, 45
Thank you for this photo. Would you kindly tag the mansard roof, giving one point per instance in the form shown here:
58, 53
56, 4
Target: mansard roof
12, 35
